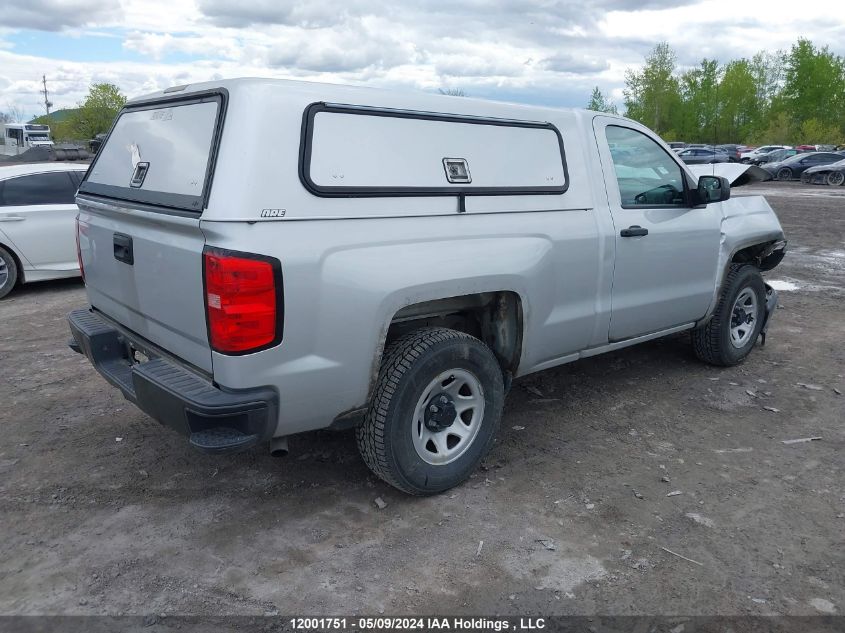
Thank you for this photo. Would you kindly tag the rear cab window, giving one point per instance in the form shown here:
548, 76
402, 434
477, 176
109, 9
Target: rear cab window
161, 153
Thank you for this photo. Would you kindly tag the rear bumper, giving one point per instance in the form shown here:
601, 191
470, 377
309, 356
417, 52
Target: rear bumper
215, 419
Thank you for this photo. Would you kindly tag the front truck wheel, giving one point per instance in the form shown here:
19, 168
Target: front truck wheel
730, 334
435, 412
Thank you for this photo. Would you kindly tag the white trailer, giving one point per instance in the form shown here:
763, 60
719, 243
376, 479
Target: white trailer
19, 137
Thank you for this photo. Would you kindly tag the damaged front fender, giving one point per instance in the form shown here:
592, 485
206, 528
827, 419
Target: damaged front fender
750, 233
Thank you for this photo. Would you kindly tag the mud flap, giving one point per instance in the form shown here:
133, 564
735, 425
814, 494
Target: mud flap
771, 306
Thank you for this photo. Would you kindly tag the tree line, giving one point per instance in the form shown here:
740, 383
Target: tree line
795, 96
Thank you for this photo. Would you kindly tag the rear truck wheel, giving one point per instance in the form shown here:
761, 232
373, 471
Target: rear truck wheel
784, 173
8, 272
730, 334
435, 412
835, 178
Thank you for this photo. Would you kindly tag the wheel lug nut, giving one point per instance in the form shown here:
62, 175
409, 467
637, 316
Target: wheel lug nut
433, 408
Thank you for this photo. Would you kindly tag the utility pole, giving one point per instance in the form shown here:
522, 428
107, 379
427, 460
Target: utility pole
47, 103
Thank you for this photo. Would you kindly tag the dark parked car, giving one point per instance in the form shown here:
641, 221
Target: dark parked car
775, 156
796, 165
732, 150
832, 174
703, 156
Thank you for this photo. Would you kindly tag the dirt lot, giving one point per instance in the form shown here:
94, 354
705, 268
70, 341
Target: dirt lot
104, 511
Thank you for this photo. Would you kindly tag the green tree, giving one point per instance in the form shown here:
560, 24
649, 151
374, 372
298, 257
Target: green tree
741, 106
767, 70
699, 94
97, 111
774, 97
814, 84
652, 94
814, 132
777, 130
601, 103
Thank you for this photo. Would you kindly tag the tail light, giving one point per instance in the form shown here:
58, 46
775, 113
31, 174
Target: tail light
243, 301
79, 250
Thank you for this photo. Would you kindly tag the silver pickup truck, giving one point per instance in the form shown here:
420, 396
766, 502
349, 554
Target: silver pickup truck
264, 258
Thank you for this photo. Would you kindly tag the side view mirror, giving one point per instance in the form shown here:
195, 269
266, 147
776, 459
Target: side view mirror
712, 189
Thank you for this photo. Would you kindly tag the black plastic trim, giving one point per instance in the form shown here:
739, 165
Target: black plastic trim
307, 134
278, 282
176, 396
180, 202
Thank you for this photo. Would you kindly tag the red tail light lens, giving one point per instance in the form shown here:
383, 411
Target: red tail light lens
79, 250
243, 299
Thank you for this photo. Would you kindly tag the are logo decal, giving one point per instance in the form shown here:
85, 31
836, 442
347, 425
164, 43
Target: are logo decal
273, 213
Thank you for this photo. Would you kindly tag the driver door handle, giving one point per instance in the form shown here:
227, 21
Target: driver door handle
634, 231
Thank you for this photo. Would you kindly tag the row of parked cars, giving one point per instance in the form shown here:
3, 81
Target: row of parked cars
816, 164
824, 167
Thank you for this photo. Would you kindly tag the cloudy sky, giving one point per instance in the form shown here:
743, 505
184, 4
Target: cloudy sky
549, 52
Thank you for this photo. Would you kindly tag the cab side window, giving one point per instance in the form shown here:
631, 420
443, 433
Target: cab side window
646, 174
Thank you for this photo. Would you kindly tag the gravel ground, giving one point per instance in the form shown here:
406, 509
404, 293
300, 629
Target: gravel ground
639, 482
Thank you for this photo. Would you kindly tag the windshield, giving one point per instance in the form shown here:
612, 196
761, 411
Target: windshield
38, 137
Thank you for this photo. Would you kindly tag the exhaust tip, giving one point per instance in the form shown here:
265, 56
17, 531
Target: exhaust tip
279, 447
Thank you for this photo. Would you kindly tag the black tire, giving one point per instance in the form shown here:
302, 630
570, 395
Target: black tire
9, 266
835, 178
408, 367
784, 173
712, 342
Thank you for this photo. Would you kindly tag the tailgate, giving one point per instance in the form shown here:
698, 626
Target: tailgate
146, 273
139, 223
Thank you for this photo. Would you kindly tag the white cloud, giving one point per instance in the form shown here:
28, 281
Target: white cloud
550, 51
55, 15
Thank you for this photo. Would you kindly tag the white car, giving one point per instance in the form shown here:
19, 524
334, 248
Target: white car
38, 222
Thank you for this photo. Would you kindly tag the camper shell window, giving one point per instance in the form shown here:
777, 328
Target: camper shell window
349, 150
174, 139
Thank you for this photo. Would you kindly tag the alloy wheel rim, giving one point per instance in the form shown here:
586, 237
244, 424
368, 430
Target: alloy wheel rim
448, 416
836, 178
743, 317
4, 272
